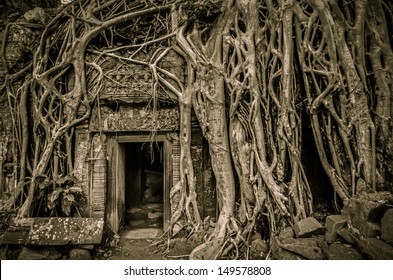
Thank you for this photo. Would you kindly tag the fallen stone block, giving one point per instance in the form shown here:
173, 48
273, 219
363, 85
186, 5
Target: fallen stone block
366, 211
305, 250
302, 241
376, 249
79, 254
331, 237
52, 253
155, 206
338, 251
387, 226
136, 223
347, 236
286, 233
308, 227
255, 236
154, 215
137, 216
137, 210
335, 222
366, 229
30, 254
279, 253
259, 248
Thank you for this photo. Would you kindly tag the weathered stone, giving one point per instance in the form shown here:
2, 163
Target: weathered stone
338, 251
347, 236
376, 249
35, 15
137, 216
366, 211
331, 237
332, 224
136, 223
366, 229
30, 254
335, 222
143, 233
136, 213
52, 253
387, 226
258, 248
155, 206
136, 210
126, 118
80, 254
48, 253
279, 253
87, 247
55, 231
308, 227
256, 236
154, 215
372, 247
305, 247
286, 233
301, 241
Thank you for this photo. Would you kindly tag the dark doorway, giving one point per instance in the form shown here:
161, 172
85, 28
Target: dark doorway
321, 189
144, 181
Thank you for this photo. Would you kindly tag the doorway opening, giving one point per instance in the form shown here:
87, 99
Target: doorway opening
144, 185
321, 188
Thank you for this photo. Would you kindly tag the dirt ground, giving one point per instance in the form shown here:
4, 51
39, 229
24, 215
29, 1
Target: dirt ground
129, 249
126, 249
143, 249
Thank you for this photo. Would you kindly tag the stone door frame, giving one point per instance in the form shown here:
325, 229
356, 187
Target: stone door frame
115, 204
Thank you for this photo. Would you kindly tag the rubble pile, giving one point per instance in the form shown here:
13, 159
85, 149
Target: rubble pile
145, 216
363, 230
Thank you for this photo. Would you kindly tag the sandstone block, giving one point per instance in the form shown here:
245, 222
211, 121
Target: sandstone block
338, 251
307, 227
80, 254
286, 233
335, 222
281, 254
258, 248
376, 249
31, 254
331, 237
366, 211
305, 247
154, 215
52, 253
143, 233
136, 223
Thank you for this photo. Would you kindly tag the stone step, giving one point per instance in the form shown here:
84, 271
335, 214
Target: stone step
143, 233
154, 215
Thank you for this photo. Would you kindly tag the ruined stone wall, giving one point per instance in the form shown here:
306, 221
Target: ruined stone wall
128, 118
127, 109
